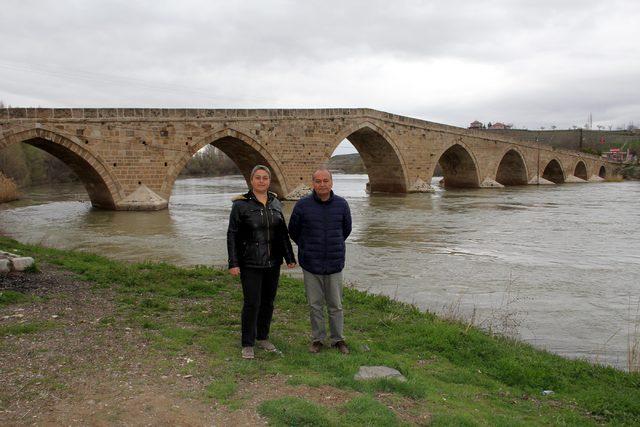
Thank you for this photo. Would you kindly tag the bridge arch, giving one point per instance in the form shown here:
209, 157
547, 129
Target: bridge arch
103, 189
380, 154
244, 150
580, 170
512, 169
554, 172
459, 167
602, 172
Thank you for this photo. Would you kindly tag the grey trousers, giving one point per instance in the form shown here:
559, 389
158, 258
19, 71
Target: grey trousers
321, 289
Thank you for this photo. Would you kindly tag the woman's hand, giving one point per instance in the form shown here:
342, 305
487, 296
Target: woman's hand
234, 271
292, 265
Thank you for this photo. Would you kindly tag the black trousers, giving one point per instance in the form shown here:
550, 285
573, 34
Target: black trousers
259, 286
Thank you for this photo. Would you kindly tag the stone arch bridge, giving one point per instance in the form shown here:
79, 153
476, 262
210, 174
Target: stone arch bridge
129, 159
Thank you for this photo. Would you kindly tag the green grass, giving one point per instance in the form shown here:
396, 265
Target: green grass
25, 328
455, 375
360, 411
12, 297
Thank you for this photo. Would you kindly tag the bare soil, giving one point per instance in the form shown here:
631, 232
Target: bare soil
86, 366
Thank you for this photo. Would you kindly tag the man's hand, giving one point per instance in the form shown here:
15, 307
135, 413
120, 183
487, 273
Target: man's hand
292, 265
234, 271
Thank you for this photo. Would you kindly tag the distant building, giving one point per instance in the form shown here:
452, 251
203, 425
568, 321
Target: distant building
476, 125
498, 125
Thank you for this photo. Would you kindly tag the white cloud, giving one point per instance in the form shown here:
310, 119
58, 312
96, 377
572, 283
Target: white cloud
529, 63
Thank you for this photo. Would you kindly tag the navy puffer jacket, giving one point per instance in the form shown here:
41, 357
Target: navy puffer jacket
320, 229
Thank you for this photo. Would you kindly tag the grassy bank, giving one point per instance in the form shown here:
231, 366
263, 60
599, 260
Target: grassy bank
456, 375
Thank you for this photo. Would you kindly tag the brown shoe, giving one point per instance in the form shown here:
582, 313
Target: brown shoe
247, 353
315, 347
342, 347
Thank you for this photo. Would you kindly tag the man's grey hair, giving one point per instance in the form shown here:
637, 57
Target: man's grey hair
323, 169
257, 168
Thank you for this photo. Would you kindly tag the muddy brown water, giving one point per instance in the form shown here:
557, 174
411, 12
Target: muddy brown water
557, 265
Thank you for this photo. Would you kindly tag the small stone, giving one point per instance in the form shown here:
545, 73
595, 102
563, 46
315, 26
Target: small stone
22, 263
375, 372
365, 347
5, 266
55, 316
186, 377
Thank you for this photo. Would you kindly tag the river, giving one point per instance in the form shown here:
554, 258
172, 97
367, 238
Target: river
557, 266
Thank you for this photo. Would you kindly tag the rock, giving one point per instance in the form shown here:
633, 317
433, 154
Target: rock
22, 263
596, 178
490, 183
540, 181
573, 178
143, 198
299, 192
375, 372
5, 266
419, 186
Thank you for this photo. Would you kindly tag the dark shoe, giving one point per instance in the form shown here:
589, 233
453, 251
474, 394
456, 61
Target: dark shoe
342, 347
315, 347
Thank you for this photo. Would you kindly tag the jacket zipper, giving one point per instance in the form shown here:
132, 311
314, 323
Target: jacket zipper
266, 214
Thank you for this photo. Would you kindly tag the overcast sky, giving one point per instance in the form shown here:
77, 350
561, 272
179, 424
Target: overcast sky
529, 63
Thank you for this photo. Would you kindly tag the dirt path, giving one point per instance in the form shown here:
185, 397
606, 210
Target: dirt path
82, 365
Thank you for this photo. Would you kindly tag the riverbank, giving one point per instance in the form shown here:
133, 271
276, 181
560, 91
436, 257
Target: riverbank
89, 340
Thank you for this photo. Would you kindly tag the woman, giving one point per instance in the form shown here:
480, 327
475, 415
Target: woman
257, 240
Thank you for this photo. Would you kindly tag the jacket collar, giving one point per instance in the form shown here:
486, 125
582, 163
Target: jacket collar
250, 196
319, 200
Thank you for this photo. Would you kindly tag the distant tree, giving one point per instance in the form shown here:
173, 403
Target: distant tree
610, 126
541, 127
210, 162
574, 127
553, 127
1, 104
488, 125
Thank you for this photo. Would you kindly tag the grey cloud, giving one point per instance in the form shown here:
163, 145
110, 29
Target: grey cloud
559, 60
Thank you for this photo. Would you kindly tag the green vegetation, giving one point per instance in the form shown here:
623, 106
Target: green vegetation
630, 171
12, 297
360, 411
210, 162
25, 328
27, 165
455, 375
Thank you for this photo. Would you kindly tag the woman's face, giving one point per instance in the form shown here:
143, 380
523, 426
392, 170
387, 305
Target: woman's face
260, 181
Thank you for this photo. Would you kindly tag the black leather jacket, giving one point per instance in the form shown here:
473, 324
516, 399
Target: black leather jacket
257, 236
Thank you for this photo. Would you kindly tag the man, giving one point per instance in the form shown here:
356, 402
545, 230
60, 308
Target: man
320, 223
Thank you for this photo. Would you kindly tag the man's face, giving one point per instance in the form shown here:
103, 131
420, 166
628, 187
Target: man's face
322, 184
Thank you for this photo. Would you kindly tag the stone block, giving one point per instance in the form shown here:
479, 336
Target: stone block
5, 266
22, 263
376, 372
